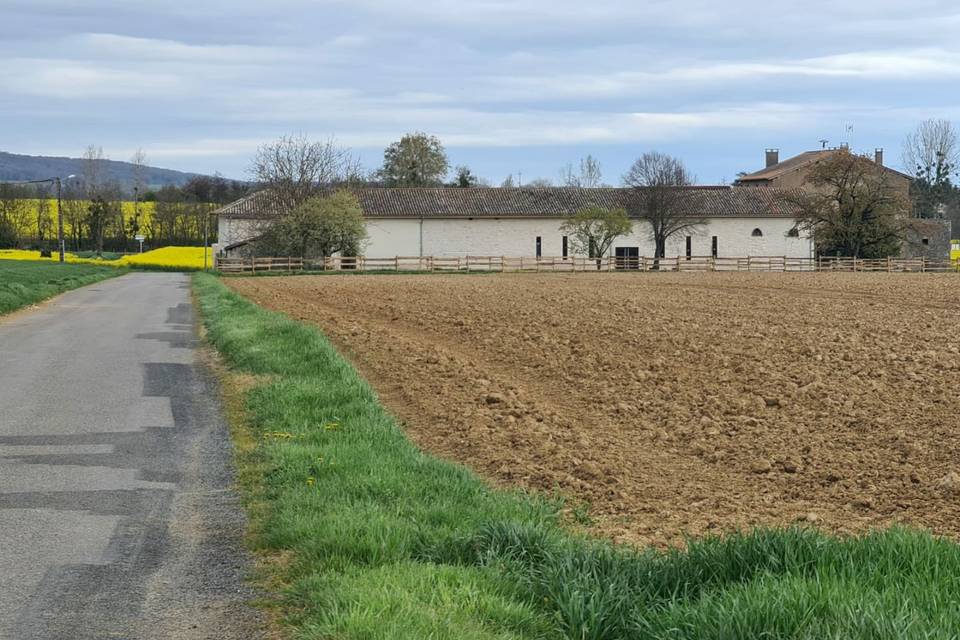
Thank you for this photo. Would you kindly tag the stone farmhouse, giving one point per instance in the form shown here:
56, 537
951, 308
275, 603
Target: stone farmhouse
927, 238
792, 172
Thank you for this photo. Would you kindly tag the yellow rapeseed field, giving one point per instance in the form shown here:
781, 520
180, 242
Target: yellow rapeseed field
165, 257
145, 211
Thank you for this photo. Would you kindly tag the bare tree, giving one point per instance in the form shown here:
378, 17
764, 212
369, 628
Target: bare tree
933, 142
92, 171
932, 154
588, 177
659, 181
295, 168
139, 162
74, 214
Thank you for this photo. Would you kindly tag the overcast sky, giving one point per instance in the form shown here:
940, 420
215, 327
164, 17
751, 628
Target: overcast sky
526, 86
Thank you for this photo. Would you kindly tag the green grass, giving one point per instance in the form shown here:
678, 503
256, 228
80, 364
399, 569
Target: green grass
26, 282
383, 541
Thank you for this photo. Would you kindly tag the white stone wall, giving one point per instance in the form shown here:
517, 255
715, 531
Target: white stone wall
517, 237
231, 230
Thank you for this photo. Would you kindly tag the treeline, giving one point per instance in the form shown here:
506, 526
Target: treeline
99, 216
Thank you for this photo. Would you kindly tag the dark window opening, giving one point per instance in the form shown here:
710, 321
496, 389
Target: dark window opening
714, 246
926, 241
689, 247
793, 233
627, 257
757, 233
564, 246
539, 247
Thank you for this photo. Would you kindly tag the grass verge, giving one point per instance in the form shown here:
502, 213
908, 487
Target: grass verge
23, 282
379, 540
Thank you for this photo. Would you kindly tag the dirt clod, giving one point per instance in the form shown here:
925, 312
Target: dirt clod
494, 398
761, 466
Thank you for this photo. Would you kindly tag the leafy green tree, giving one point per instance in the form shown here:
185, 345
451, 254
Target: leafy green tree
320, 227
416, 160
592, 230
465, 178
851, 207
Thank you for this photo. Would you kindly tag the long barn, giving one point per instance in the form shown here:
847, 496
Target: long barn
447, 221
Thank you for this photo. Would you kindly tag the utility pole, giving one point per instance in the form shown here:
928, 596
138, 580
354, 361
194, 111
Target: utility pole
58, 182
60, 219
206, 235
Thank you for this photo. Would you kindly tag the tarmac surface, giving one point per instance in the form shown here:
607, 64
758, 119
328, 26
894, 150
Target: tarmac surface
117, 513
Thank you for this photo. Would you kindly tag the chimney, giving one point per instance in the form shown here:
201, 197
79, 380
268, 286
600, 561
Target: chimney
878, 156
773, 157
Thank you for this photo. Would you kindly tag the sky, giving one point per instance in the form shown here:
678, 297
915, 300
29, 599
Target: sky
521, 87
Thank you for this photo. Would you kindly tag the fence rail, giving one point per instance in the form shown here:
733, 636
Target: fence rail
504, 264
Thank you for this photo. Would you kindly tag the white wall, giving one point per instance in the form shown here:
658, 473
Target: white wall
230, 230
517, 237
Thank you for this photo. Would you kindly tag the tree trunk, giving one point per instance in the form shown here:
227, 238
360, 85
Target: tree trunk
659, 251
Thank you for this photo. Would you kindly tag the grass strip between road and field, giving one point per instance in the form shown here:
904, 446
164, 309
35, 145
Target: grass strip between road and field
23, 283
371, 538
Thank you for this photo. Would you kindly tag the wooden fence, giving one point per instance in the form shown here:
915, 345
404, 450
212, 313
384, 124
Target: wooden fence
503, 264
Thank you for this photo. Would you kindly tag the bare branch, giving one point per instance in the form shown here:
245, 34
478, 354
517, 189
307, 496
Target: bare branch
295, 168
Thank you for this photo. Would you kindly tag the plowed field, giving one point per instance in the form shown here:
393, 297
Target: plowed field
671, 403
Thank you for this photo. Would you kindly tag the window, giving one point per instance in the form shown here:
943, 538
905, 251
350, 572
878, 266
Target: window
714, 246
757, 233
926, 241
689, 246
564, 247
539, 246
793, 233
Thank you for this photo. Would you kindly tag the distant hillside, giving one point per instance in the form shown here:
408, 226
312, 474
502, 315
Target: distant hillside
15, 167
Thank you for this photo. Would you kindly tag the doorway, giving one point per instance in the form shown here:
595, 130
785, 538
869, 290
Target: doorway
627, 257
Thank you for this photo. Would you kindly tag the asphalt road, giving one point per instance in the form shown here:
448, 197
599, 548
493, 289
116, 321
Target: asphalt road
117, 518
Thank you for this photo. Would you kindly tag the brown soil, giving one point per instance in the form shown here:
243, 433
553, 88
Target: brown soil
673, 403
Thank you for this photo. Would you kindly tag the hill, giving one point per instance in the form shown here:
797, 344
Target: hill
15, 167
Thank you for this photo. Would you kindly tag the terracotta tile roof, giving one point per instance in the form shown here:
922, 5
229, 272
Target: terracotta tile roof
451, 202
793, 164
790, 164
